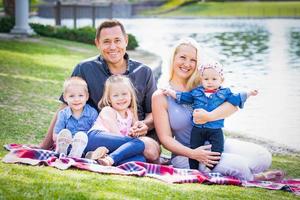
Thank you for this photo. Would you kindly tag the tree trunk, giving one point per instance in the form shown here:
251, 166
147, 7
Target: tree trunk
9, 7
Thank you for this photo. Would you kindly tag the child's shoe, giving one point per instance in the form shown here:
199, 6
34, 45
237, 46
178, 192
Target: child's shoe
63, 141
79, 143
100, 152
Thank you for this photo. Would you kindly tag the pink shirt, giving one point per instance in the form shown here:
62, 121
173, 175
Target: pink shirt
124, 124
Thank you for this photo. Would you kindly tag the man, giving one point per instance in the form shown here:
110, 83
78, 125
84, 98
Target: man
111, 41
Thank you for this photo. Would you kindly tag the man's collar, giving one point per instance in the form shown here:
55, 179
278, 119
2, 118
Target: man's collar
106, 68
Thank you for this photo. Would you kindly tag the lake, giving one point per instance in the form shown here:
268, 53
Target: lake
261, 54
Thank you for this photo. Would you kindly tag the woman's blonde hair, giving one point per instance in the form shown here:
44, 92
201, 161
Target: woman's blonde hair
74, 81
168, 67
119, 79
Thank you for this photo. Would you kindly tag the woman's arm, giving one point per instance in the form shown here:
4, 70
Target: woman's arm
201, 116
109, 119
163, 130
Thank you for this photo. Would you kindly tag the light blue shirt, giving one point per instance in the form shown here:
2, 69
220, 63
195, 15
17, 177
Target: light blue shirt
66, 120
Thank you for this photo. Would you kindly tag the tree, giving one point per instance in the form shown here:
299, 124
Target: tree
9, 7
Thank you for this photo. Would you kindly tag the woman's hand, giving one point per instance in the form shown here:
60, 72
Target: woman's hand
139, 128
200, 116
205, 156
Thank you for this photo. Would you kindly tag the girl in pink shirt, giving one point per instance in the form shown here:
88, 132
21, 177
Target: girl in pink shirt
118, 114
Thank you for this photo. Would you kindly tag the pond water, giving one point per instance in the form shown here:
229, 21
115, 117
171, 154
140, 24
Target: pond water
261, 54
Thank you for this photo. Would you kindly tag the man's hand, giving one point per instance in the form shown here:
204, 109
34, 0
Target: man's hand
139, 128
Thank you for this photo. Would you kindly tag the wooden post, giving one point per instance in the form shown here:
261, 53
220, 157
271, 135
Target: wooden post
94, 15
111, 10
75, 15
57, 9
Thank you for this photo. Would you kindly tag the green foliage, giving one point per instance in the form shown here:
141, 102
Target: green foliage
6, 24
84, 34
44, 30
132, 42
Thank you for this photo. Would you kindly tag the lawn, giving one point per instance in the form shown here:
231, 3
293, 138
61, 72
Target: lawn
227, 9
31, 76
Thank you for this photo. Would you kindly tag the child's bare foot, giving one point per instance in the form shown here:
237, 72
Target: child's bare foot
100, 152
106, 161
252, 93
273, 175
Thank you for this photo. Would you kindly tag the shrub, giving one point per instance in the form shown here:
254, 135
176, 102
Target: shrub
132, 42
44, 30
84, 34
6, 24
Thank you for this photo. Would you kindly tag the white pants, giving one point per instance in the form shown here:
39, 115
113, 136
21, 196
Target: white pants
239, 159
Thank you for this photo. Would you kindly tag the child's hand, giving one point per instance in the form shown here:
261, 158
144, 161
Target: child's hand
139, 128
169, 92
252, 93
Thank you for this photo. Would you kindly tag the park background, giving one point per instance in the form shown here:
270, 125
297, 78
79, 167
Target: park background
258, 43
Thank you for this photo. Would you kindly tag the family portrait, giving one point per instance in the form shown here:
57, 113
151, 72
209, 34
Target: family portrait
101, 118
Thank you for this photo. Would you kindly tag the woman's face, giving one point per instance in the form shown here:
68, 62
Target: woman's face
185, 61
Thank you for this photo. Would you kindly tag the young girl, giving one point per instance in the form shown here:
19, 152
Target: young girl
118, 113
209, 96
75, 120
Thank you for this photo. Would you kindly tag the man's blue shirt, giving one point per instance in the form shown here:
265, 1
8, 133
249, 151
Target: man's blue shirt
198, 99
66, 120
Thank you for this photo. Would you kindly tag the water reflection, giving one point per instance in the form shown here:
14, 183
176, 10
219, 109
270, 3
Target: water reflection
241, 49
294, 50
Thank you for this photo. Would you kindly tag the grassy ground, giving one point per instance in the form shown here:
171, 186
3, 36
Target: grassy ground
232, 9
31, 76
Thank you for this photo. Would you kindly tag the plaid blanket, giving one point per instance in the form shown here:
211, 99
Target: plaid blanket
24, 154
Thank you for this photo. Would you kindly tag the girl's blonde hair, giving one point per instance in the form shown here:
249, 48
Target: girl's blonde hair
168, 67
119, 79
75, 81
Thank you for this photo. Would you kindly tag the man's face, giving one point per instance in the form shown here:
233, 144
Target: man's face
112, 44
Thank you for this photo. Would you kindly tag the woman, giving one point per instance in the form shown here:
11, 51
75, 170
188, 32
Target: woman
173, 124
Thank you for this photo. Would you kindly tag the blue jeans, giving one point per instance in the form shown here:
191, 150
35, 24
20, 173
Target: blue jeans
122, 148
198, 138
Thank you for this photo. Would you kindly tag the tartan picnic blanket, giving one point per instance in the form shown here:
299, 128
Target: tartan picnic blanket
19, 153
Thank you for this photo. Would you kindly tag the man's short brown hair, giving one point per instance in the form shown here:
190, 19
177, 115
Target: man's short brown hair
109, 24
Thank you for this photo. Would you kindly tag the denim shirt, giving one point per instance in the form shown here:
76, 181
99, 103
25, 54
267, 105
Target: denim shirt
66, 120
198, 99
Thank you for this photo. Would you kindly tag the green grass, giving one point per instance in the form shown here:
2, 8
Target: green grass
31, 76
232, 9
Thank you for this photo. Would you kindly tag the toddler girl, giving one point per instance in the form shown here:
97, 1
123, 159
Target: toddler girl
118, 113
